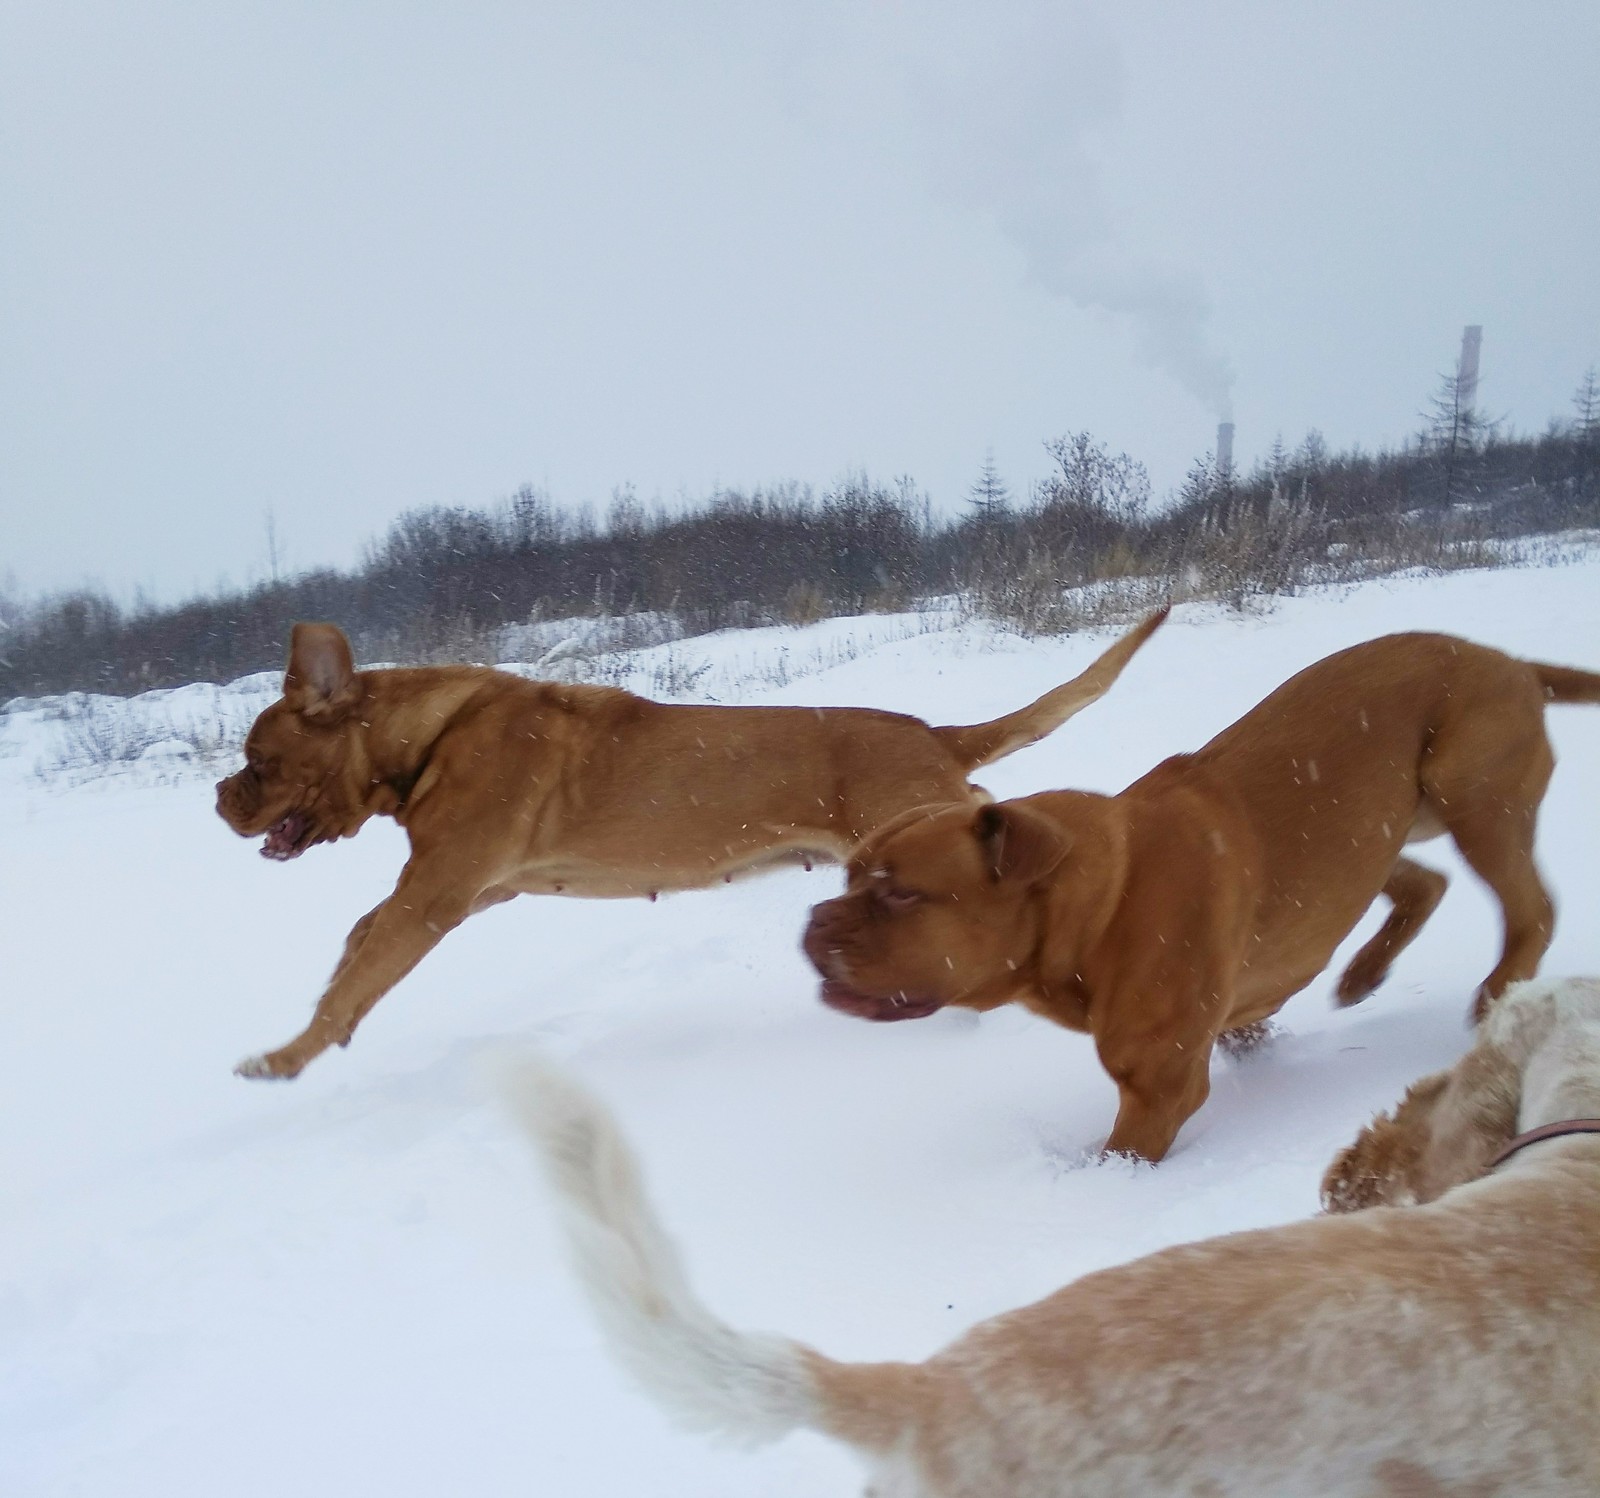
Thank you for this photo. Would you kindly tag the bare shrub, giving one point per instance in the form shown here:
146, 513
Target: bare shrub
1036, 597
1244, 555
804, 603
97, 733
547, 640
427, 638
157, 737
98, 736
673, 675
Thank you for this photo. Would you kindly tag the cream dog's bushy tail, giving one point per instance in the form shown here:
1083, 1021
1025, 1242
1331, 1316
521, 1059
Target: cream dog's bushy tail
745, 1387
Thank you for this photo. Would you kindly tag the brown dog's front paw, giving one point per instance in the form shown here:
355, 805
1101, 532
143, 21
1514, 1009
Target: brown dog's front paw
274, 1066
1130, 1158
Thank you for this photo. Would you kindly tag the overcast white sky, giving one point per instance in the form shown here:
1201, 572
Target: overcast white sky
331, 259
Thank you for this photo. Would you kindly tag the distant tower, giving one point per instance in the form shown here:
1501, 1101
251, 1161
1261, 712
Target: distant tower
1224, 447
1467, 370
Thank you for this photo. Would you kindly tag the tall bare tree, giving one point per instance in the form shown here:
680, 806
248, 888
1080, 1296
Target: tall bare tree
1452, 438
1586, 429
988, 499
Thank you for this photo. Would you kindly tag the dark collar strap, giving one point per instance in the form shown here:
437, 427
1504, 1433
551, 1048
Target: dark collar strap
1546, 1131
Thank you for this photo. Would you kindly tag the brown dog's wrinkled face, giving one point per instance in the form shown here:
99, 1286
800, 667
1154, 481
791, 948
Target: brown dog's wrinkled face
932, 914
295, 786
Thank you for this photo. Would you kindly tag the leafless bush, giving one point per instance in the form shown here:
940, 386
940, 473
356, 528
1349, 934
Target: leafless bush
159, 736
98, 732
1242, 557
1246, 555
804, 603
1035, 600
673, 675
538, 640
427, 638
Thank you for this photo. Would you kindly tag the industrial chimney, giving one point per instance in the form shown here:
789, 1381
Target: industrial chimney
1467, 370
1224, 447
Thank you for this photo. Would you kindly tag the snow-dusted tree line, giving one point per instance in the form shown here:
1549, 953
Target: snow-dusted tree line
449, 582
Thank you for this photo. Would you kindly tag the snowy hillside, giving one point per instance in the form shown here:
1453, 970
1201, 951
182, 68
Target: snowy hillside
348, 1285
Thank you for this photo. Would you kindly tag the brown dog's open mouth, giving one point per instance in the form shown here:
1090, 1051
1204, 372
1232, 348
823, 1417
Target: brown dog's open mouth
289, 838
841, 996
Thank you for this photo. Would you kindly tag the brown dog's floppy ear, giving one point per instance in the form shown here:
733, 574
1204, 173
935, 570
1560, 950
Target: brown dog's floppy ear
320, 678
1018, 843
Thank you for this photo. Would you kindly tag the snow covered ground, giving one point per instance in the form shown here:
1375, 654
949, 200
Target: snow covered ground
349, 1285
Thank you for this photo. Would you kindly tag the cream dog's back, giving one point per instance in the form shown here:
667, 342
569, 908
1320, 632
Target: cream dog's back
1452, 1348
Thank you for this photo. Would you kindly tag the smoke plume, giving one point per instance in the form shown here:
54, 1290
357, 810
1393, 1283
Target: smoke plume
1008, 105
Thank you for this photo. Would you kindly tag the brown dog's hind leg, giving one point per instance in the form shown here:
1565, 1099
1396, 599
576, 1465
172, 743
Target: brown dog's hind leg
1487, 791
1499, 847
1414, 891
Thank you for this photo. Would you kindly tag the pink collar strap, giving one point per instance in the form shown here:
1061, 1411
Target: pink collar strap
1546, 1131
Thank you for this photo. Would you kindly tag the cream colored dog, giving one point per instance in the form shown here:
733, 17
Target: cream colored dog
1446, 1350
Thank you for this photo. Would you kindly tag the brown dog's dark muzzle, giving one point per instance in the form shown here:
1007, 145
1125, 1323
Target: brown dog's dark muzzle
233, 799
827, 943
239, 800
827, 935
879, 1008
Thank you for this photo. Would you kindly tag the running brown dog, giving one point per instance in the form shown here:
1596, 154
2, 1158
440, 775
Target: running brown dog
507, 786
1199, 899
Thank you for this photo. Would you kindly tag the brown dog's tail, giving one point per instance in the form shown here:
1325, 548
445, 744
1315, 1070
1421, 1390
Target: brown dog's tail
1567, 683
746, 1387
983, 743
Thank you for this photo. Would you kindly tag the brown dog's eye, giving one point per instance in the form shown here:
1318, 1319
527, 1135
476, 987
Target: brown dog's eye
897, 900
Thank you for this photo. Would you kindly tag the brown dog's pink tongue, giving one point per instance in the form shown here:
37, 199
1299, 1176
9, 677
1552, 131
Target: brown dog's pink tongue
283, 838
